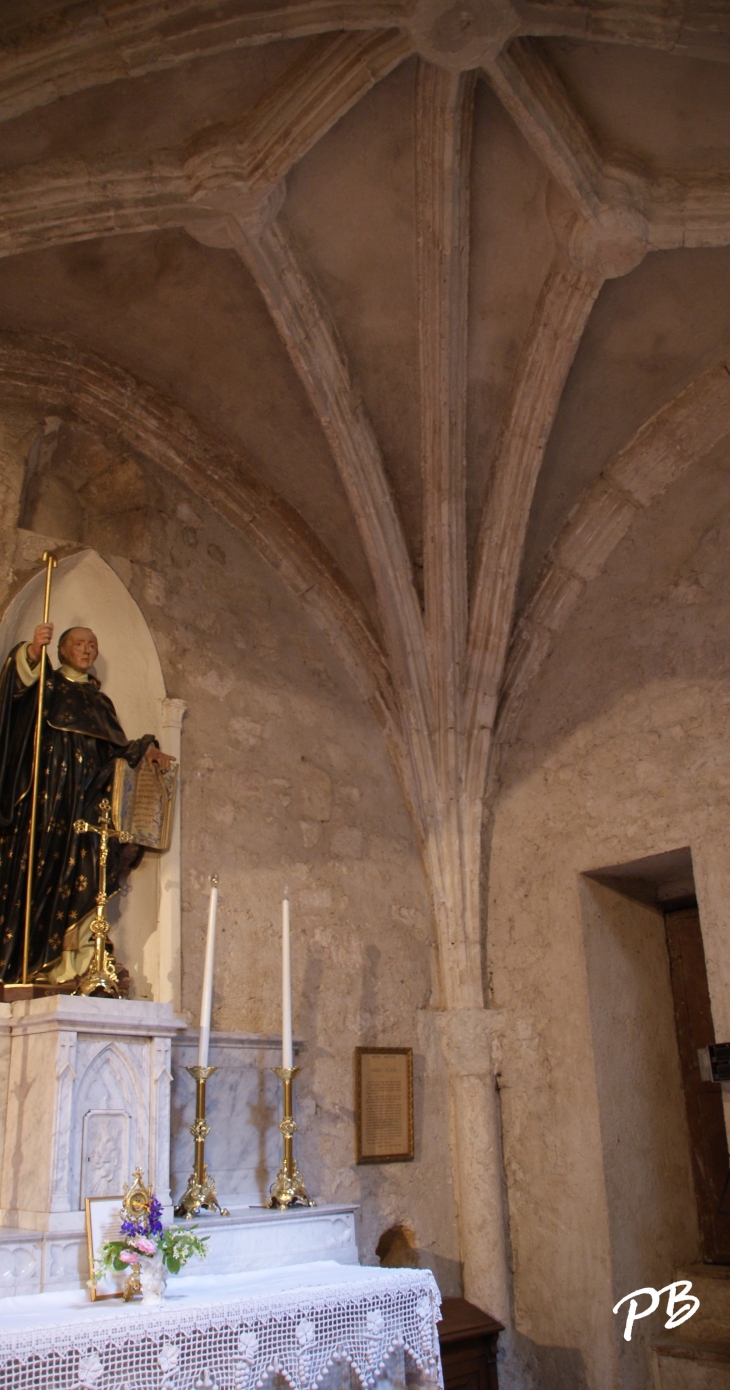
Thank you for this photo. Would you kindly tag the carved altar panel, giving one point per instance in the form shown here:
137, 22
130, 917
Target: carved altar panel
105, 1166
99, 1070
110, 1116
20, 1268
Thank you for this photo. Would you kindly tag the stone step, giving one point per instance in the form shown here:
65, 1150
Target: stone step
690, 1365
711, 1284
719, 1273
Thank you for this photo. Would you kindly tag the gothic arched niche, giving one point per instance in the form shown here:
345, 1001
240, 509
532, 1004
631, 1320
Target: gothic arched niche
108, 1107
87, 592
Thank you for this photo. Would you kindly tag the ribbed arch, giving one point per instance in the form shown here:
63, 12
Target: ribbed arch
662, 449
58, 378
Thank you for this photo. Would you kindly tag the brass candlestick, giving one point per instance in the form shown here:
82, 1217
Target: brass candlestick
101, 976
200, 1193
288, 1189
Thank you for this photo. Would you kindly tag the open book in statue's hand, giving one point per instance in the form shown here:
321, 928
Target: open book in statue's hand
143, 802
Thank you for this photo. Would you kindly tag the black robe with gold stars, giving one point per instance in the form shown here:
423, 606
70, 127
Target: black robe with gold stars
81, 738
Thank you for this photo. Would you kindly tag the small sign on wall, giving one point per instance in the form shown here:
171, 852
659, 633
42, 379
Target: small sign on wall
384, 1104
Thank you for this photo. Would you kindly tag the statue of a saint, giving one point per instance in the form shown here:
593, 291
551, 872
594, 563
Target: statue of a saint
80, 740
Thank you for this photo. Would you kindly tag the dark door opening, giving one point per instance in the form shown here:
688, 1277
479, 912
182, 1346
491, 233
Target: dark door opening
666, 882
703, 1099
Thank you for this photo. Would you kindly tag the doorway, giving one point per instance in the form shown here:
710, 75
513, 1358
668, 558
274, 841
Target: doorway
665, 882
703, 1099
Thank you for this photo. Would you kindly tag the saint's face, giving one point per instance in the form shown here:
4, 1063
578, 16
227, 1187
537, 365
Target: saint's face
80, 649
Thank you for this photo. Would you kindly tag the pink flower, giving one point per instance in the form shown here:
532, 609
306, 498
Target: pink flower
129, 1257
145, 1245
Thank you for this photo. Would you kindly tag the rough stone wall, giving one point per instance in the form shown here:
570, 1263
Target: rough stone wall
621, 753
286, 780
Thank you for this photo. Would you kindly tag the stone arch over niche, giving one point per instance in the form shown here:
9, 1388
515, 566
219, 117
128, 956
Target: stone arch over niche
87, 592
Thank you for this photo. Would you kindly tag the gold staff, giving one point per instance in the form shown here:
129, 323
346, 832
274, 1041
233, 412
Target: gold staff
50, 563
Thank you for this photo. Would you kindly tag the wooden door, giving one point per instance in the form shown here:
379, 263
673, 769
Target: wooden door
705, 1116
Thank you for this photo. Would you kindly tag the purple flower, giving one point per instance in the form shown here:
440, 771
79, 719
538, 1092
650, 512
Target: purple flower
155, 1217
148, 1223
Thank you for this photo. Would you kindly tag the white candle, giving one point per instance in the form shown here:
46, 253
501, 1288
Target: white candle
287, 1050
207, 999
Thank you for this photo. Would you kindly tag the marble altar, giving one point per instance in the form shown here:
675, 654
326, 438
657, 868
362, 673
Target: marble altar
35, 1262
293, 1326
87, 1088
91, 1088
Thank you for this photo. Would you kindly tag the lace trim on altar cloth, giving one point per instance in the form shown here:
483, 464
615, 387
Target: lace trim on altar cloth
299, 1335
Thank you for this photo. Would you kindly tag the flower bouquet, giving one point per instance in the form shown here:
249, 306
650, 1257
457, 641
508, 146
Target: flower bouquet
145, 1249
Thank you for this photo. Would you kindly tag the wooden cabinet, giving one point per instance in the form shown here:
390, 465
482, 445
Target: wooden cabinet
468, 1339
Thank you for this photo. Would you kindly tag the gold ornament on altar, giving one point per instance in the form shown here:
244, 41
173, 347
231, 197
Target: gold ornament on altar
288, 1188
136, 1204
137, 1198
200, 1193
101, 976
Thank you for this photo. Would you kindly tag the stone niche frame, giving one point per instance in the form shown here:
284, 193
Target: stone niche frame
87, 592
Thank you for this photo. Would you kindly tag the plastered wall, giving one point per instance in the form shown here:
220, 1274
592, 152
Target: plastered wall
622, 753
286, 781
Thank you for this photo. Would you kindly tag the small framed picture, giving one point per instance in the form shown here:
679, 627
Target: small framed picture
103, 1222
384, 1104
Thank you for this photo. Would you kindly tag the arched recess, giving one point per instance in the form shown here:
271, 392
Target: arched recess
108, 1131
86, 592
58, 379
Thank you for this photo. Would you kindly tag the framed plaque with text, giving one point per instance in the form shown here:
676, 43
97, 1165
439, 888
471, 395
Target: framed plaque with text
384, 1104
143, 802
103, 1221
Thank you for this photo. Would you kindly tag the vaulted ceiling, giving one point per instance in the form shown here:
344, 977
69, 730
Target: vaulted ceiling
414, 275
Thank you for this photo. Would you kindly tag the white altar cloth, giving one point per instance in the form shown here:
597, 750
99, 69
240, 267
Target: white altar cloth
230, 1332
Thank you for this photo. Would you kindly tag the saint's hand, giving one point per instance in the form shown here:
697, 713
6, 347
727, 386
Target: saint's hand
155, 756
41, 638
